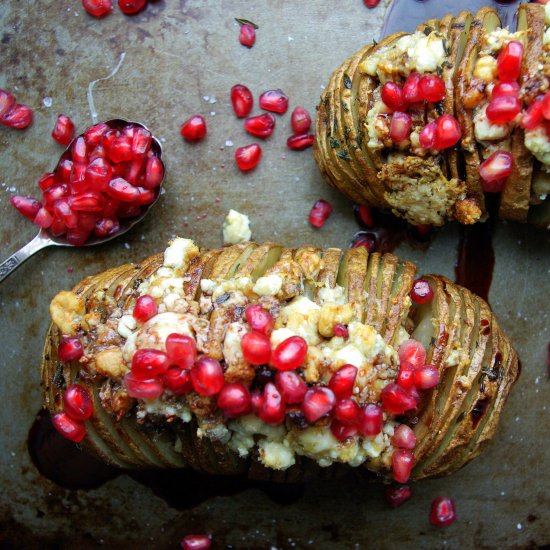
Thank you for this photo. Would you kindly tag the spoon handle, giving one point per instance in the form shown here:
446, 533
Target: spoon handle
15, 260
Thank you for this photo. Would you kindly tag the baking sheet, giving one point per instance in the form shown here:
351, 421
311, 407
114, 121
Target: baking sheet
182, 57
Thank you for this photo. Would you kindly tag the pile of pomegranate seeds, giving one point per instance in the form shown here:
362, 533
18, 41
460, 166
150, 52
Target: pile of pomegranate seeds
319, 213
194, 128
13, 114
77, 407
247, 34
421, 292
108, 173
443, 512
196, 542
99, 8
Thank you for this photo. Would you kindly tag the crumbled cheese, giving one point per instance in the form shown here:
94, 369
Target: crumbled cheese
126, 325
379, 108
208, 286
276, 455
154, 332
537, 142
495, 40
280, 335
270, 285
374, 445
547, 14
170, 409
179, 253
336, 295
300, 304
236, 228
486, 68
427, 54
366, 339
546, 39
485, 131
347, 355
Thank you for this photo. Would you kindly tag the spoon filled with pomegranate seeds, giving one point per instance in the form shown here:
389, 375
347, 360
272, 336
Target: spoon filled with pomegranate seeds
104, 183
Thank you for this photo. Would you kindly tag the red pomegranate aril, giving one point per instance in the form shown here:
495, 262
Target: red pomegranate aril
448, 132
93, 135
509, 61
299, 142
317, 403
64, 170
371, 3
259, 319
364, 213
292, 387
272, 407
371, 421
428, 136
342, 432
494, 170
141, 142
7, 103
405, 376
348, 412
426, 377
300, 120
432, 88
58, 228
247, 35
77, 236
503, 109
154, 173
177, 380
43, 218
289, 354
19, 117
442, 512
28, 206
98, 174
396, 496
64, 212
77, 402
207, 376
87, 220
234, 400
145, 308
505, 89
79, 150
411, 89
143, 389
402, 464
404, 437
63, 131
343, 380
78, 179
421, 292
194, 128
392, 96
120, 150
105, 227
533, 116
364, 240
260, 125
256, 348
70, 349
149, 363
181, 350
319, 213
98, 8
145, 196
120, 189
129, 210
412, 351
400, 126
110, 208
396, 400
275, 101
131, 7
248, 157
242, 100
196, 542
340, 331
135, 170
71, 429
256, 401
46, 181
89, 201
55, 193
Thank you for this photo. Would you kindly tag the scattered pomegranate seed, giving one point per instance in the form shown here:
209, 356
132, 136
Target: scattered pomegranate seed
46, 181
131, 7
348, 412
342, 432
396, 400
509, 61
19, 117
259, 319
28, 206
177, 380
143, 389
275, 101
342, 381
392, 96
494, 170
421, 292
412, 351
77, 402
299, 142
242, 100
69, 428
300, 120
289, 354
181, 350
400, 126
411, 89
505, 89
371, 3
247, 35
404, 437
426, 377
43, 218
448, 132
503, 109
196, 542
234, 400
194, 128
396, 496
533, 116
428, 135
63, 131
260, 125
256, 348
145, 308
364, 240
207, 376
432, 88
405, 377
402, 464
7, 103
98, 8
70, 349
442, 512
248, 157
292, 387
364, 213
371, 421
271, 406
340, 331
317, 403
148, 363
319, 213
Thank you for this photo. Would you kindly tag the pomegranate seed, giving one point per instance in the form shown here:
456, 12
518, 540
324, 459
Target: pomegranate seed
371, 3
63, 131
64, 170
120, 150
340, 331
342, 381
400, 126
28, 206
442, 512
448, 132
120, 189
505, 88
143, 389
46, 181
77, 236
342, 432
154, 173
257, 400
105, 227
77, 178
58, 228
89, 201
248, 157
426, 377
77, 402
110, 208
364, 240
177, 380
412, 351
259, 319
234, 400
364, 214
146, 196
79, 150
371, 421
129, 210
7, 103
396, 496
546, 106
130, 7
289, 354
256, 348
299, 142
317, 403
392, 96
421, 292
533, 116
509, 61
432, 88
93, 135
207, 376
271, 407
87, 220
98, 8
503, 109
428, 135
242, 100
402, 464
98, 174
18, 117
149, 363
194, 128
275, 101
141, 142
494, 170
300, 120
411, 89
196, 542
404, 437
292, 387
70, 349
181, 350
405, 377
55, 193
319, 213
43, 218
396, 400
247, 35
145, 308
348, 412
261, 125
69, 428
64, 212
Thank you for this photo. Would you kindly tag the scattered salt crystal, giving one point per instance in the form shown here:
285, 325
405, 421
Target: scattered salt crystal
229, 143
290, 39
212, 100
47, 101
519, 526
205, 97
126, 245
212, 113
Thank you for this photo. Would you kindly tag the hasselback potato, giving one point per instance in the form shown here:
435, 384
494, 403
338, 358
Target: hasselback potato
425, 124
346, 354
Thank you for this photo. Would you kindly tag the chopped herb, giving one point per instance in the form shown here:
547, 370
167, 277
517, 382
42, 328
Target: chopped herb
347, 131
344, 106
223, 298
136, 283
241, 21
428, 31
58, 379
374, 42
446, 47
343, 154
439, 71
460, 417
447, 65
439, 107
335, 125
334, 142
491, 374
347, 81
432, 341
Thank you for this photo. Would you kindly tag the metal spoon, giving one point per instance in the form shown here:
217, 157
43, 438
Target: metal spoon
44, 238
